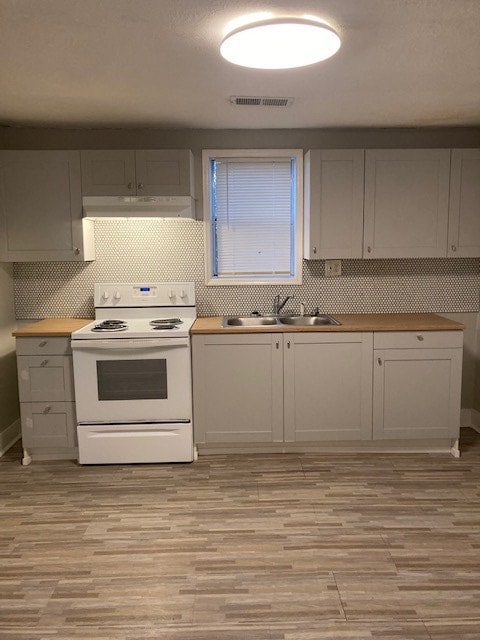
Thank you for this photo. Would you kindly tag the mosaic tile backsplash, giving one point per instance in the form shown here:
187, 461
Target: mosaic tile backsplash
168, 250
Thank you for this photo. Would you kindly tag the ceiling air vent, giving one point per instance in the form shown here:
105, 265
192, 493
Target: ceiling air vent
261, 101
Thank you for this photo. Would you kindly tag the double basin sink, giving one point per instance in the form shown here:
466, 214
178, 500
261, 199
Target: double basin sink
278, 321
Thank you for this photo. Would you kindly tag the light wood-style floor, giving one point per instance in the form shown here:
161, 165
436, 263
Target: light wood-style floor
274, 547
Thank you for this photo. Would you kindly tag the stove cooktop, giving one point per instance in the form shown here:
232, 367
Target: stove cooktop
135, 328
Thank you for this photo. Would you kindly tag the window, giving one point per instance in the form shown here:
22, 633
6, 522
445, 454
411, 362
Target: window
253, 201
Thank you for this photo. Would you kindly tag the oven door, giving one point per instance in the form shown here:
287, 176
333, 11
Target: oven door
132, 380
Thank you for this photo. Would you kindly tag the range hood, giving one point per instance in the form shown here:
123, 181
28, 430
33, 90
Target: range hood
138, 207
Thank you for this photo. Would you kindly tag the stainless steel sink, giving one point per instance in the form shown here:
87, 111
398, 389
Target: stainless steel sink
269, 321
308, 321
250, 321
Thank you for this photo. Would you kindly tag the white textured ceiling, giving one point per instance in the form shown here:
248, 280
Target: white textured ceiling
156, 63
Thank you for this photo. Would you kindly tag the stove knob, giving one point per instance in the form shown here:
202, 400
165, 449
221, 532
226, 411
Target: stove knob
105, 295
116, 295
183, 293
171, 294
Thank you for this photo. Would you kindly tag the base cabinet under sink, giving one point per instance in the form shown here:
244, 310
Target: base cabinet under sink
273, 387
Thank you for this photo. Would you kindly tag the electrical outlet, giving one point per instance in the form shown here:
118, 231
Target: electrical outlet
333, 268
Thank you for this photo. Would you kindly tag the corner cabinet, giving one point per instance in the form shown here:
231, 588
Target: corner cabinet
47, 402
417, 385
406, 203
334, 182
154, 172
41, 208
464, 222
238, 388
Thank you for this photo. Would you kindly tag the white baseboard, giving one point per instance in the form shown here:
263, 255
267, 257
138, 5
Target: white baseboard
9, 436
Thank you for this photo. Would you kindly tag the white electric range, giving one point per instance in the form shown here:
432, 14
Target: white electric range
133, 377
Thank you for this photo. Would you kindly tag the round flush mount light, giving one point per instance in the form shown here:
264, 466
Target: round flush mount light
283, 43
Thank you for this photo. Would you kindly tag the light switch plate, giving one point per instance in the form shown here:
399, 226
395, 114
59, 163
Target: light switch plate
333, 268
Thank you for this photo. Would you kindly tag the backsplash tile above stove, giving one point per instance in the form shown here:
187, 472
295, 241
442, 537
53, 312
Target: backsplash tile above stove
168, 250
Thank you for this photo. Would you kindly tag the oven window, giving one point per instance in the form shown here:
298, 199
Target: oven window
132, 379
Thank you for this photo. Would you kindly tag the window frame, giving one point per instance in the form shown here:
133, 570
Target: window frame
253, 154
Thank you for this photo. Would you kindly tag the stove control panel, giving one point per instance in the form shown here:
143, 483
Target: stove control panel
176, 294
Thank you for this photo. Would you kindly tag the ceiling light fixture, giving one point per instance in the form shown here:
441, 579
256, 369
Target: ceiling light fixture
283, 43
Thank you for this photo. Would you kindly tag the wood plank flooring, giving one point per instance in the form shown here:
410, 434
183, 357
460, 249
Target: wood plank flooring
271, 547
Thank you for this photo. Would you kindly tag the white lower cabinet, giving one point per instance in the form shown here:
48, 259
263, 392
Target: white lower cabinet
308, 387
328, 386
47, 406
295, 387
417, 385
237, 388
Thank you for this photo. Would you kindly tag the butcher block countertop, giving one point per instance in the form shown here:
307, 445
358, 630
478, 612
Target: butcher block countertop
349, 322
55, 327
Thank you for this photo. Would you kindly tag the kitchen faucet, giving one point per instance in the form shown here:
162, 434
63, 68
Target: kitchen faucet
277, 305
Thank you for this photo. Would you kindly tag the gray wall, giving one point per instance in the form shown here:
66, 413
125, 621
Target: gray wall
8, 371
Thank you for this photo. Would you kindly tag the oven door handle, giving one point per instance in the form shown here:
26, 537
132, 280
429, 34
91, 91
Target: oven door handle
133, 343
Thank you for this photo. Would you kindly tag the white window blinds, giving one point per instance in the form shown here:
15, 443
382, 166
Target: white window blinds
253, 215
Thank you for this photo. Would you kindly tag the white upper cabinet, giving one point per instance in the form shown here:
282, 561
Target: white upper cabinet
41, 207
156, 172
334, 182
406, 203
464, 221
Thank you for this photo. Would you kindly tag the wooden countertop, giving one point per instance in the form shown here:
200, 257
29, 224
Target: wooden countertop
349, 322
55, 327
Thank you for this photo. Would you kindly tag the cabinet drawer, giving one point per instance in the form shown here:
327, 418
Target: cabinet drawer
48, 424
417, 339
43, 345
45, 378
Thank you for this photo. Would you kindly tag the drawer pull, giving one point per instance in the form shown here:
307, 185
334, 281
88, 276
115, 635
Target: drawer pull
44, 363
43, 343
420, 337
47, 409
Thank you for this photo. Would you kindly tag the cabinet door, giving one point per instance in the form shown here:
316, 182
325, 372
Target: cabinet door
165, 172
45, 378
328, 386
334, 203
237, 388
406, 203
416, 393
48, 425
464, 221
108, 173
41, 207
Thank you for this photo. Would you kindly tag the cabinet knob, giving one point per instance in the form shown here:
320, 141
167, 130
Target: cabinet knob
314, 249
277, 345
369, 249
454, 247
130, 185
288, 344
420, 337
379, 360
140, 186
43, 343
76, 251
47, 409
44, 363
